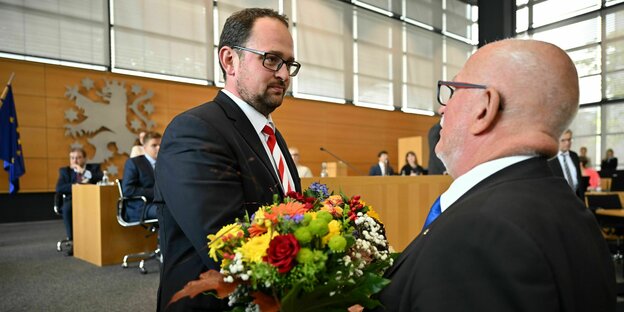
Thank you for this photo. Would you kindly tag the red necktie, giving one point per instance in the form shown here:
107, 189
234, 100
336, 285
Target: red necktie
283, 173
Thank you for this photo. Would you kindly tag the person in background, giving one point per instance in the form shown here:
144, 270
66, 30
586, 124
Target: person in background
78, 172
411, 168
566, 164
435, 164
138, 179
609, 163
226, 158
382, 168
304, 172
137, 150
507, 235
583, 153
587, 171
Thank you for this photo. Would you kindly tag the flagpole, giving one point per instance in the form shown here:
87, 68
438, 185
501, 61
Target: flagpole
7, 87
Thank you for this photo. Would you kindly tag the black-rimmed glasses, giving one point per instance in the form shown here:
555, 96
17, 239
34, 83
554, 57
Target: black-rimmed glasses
447, 88
273, 61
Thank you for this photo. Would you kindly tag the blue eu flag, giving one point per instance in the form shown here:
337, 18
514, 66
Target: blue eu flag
10, 145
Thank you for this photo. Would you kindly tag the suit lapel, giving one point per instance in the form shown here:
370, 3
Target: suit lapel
246, 130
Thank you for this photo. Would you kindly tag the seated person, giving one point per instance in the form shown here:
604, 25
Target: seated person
137, 150
412, 168
79, 172
138, 179
304, 172
586, 171
609, 163
382, 168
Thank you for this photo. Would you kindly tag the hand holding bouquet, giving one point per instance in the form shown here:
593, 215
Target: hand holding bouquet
312, 251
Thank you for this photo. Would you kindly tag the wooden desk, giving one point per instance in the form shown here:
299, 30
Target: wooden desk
98, 238
620, 195
610, 212
402, 202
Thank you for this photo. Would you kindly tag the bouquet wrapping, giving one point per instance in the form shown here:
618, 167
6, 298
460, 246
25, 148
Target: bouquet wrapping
313, 251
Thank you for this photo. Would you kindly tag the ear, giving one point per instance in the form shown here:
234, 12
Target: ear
228, 60
486, 112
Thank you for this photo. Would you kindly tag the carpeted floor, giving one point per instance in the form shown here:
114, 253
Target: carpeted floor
35, 277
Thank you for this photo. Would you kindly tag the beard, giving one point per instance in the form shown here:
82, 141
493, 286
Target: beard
265, 103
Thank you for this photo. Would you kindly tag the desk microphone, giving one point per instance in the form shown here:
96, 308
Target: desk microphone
342, 161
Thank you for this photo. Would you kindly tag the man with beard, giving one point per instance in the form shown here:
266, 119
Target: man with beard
224, 159
507, 235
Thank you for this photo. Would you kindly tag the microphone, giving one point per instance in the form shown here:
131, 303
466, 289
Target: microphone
342, 161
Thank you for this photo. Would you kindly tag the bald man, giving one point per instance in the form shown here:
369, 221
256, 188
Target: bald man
509, 235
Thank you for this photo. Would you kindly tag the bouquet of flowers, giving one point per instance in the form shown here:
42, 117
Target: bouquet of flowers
312, 251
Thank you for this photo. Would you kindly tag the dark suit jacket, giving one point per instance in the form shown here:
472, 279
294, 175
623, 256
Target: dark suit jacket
375, 170
212, 168
138, 180
609, 164
517, 241
67, 177
555, 166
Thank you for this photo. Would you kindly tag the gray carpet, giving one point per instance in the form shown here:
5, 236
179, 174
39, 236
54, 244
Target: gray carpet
35, 277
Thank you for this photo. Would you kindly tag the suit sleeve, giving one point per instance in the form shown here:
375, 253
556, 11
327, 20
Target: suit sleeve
64, 184
198, 176
131, 183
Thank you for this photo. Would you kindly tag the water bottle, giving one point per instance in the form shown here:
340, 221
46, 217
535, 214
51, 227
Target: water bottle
324, 173
104, 178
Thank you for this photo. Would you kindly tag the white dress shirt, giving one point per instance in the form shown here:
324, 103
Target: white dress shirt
258, 121
570, 166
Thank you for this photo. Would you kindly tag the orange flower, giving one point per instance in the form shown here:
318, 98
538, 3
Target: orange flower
286, 209
256, 230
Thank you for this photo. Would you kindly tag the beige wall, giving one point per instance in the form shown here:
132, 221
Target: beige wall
353, 133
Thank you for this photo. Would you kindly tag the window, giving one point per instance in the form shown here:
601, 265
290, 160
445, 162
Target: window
74, 31
161, 37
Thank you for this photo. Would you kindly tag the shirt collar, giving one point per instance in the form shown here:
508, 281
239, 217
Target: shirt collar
150, 159
467, 181
258, 121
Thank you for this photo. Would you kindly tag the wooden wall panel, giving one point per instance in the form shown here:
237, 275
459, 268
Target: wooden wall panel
356, 134
33, 142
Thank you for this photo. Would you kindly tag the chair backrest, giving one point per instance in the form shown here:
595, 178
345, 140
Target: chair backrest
604, 201
121, 208
617, 182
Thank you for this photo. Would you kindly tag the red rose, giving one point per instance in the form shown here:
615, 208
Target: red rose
282, 252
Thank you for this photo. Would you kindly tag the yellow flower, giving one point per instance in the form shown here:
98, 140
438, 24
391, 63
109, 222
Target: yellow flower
261, 219
334, 229
217, 241
255, 249
373, 214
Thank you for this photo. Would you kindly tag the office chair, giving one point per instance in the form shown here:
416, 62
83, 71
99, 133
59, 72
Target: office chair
612, 227
58, 209
151, 225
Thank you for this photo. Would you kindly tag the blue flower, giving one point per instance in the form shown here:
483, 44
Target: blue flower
320, 189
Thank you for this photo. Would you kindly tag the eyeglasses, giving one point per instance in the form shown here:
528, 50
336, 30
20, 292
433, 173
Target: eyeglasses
273, 61
447, 88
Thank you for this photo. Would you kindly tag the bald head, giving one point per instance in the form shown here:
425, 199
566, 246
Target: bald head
531, 98
537, 81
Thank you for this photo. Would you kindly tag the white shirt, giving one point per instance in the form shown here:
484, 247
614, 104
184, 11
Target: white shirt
151, 160
258, 121
383, 167
467, 181
570, 166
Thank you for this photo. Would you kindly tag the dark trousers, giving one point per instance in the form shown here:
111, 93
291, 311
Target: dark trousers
67, 217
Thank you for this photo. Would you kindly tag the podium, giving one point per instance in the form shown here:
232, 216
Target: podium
98, 238
336, 169
402, 202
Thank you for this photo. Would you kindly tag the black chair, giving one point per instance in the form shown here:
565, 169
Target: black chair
617, 182
64, 243
151, 225
612, 227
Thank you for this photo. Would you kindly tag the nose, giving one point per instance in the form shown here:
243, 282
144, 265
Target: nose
283, 73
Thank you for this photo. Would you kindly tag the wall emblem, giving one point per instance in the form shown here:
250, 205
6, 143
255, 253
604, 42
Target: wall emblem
112, 121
